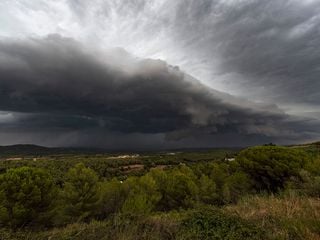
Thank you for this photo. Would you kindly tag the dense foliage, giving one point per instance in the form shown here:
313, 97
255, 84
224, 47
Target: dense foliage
26, 197
80, 195
213, 224
32, 197
106, 165
270, 167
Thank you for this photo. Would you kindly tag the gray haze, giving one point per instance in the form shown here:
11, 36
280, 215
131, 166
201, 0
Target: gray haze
98, 72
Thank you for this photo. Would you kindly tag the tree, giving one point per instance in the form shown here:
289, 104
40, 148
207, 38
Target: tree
207, 190
270, 166
219, 174
81, 193
177, 187
236, 185
143, 195
114, 194
26, 197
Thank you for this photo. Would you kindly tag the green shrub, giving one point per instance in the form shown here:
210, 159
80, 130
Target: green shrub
26, 197
309, 187
212, 223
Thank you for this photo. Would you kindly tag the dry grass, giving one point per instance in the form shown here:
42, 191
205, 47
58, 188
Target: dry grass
157, 227
288, 217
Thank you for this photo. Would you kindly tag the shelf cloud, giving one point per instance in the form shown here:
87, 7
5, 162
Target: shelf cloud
58, 85
161, 73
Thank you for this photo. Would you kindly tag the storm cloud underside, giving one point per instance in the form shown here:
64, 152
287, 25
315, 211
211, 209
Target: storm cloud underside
75, 88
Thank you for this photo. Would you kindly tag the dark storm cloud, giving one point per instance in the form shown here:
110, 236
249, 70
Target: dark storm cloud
265, 50
270, 48
56, 85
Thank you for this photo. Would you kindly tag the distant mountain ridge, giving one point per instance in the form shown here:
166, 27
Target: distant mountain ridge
32, 150
20, 150
36, 150
24, 146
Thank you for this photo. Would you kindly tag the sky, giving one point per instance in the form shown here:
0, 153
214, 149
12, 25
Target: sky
147, 74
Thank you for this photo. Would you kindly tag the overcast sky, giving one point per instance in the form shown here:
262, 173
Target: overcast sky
159, 74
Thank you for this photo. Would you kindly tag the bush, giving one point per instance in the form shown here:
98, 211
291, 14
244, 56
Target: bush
26, 197
212, 223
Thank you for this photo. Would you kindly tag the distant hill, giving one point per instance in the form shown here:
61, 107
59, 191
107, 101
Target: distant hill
25, 149
310, 144
36, 150
21, 150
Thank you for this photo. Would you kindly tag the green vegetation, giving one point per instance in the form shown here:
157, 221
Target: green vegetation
26, 197
214, 224
267, 192
106, 165
271, 167
80, 195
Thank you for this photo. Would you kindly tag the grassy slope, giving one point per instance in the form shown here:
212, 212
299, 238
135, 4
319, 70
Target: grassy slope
287, 217
282, 217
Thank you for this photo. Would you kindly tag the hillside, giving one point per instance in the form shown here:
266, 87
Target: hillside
28, 150
263, 192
